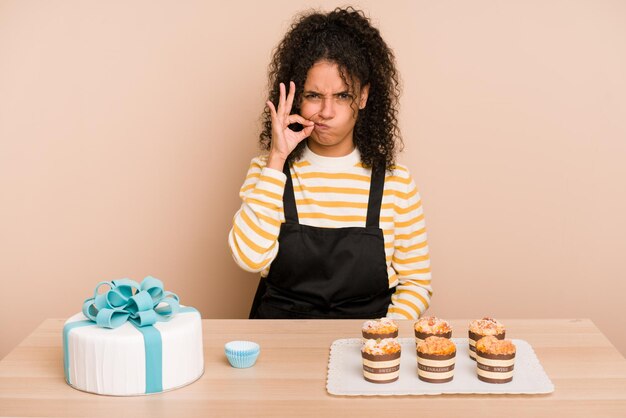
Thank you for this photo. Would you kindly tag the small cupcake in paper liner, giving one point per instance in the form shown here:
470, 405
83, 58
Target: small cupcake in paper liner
381, 360
435, 360
481, 328
431, 326
379, 329
495, 360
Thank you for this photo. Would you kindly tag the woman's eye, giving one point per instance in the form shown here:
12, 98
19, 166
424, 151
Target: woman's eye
311, 96
345, 96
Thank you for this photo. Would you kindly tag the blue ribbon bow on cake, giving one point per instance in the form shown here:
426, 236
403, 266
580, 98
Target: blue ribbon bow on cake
127, 300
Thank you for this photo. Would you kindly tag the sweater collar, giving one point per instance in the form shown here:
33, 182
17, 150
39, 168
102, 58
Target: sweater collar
346, 161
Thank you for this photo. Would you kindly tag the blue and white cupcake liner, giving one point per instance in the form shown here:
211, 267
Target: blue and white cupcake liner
242, 354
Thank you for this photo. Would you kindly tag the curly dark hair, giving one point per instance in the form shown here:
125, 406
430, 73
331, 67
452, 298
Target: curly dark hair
347, 38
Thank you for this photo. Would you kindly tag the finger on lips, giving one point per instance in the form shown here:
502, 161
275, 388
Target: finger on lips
306, 132
299, 119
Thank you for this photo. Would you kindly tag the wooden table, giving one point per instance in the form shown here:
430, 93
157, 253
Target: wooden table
289, 379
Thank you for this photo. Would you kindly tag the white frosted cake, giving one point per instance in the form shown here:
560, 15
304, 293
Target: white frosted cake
134, 339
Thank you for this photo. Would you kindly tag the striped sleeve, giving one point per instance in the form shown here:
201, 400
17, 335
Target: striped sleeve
410, 258
253, 239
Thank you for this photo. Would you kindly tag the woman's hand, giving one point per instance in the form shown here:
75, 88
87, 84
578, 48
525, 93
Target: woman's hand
284, 140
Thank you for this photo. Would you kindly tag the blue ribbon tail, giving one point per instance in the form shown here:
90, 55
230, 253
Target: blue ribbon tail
154, 358
66, 350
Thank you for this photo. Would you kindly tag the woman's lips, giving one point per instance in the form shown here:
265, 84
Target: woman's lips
321, 127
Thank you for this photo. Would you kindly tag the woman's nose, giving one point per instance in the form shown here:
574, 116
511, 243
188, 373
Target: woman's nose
328, 109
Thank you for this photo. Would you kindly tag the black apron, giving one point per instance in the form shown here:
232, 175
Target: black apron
326, 273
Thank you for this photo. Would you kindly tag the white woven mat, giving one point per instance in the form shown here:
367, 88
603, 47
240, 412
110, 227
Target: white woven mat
345, 373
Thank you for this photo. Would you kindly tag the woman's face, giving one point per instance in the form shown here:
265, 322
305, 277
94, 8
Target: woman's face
329, 102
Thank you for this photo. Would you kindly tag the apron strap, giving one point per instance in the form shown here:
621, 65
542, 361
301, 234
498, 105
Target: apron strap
289, 198
377, 183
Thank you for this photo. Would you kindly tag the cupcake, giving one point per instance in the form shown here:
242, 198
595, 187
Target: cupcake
431, 326
480, 328
435, 360
379, 329
495, 359
381, 360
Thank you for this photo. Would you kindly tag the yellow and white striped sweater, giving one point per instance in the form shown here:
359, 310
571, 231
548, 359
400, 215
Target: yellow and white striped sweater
333, 193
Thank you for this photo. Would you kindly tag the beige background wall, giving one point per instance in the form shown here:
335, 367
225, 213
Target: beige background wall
126, 129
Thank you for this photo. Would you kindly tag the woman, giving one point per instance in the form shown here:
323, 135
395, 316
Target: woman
332, 223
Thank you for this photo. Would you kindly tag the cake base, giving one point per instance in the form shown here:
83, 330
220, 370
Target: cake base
139, 394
